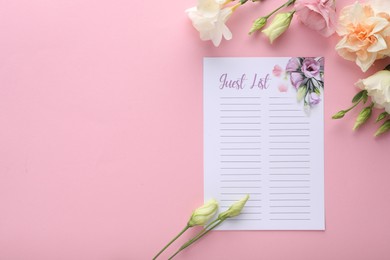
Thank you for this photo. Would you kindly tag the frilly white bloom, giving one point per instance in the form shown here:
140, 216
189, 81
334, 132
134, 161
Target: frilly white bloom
235, 209
378, 88
203, 214
279, 25
209, 18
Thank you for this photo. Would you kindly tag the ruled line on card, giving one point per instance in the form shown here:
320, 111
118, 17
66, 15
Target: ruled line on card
240, 110
240, 97
240, 104
289, 187
290, 219
241, 174
240, 116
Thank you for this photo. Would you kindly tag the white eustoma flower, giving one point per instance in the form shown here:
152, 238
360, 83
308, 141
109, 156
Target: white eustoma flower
378, 88
209, 18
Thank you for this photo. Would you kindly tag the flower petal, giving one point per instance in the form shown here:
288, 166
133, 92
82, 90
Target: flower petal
366, 63
296, 79
378, 22
293, 65
379, 45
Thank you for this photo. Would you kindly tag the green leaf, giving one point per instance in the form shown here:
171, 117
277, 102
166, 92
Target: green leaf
382, 116
301, 93
358, 96
384, 128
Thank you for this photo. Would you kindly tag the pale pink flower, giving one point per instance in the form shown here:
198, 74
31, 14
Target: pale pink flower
282, 88
277, 71
365, 29
318, 15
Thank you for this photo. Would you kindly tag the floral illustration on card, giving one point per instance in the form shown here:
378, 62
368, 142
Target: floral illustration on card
307, 77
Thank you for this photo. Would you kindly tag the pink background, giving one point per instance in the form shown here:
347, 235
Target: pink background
101, 136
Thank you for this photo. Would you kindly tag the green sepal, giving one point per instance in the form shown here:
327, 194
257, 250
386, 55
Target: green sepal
365, 97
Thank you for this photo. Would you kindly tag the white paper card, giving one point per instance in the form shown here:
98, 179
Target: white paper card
263, 136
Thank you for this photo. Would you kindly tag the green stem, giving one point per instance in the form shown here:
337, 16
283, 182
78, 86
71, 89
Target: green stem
211, 223
198, 236
288, 3
352, 107
201, 233
173, 240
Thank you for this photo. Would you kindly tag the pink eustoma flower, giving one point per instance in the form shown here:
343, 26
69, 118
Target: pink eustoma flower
318, 15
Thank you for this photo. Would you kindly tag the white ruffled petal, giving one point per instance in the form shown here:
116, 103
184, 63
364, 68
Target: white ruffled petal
366, 64
379, 45
379, 22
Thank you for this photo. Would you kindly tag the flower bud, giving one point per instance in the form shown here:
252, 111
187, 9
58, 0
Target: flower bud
362, 117
339, 115
384, 128
203, 214
234, 209
382, 116
258, 24
279, 25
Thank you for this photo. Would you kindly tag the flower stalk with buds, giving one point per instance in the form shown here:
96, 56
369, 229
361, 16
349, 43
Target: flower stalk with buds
233, 211
209, 17
377, 87
262, 21
198, 218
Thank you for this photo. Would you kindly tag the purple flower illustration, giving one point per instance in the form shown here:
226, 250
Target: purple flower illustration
306, 75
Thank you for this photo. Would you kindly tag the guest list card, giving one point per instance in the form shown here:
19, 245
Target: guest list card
263, 136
